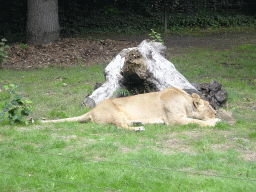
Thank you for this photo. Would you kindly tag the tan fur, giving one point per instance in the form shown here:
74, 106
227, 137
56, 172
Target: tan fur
169, 106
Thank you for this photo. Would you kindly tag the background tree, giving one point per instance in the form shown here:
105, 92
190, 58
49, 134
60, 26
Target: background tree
122, 16
43, 21
169, 5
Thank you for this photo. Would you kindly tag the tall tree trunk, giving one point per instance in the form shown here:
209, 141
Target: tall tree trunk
165, 16
43, 21
165, 19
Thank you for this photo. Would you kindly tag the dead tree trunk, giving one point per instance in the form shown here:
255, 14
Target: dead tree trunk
139, 69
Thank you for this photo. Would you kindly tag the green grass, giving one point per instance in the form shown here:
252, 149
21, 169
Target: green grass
88, 157
198, 31
234, 68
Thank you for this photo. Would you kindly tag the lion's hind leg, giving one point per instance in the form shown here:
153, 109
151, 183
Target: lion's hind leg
150, 121
122, 121
124, 124
143, 122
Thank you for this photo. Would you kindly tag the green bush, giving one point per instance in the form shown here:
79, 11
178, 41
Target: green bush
3, 53
112, 20
132, 18
209, 19
15, 108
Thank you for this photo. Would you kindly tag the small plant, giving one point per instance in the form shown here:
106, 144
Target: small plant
80, 62
90, 38
121, 92
3, 54
156, 36
16, 108
110, 9
22, 46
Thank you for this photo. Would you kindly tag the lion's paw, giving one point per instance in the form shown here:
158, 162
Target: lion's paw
140, 129
215, 121
218, 120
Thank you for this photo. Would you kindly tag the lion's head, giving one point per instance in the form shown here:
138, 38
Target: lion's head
204, 109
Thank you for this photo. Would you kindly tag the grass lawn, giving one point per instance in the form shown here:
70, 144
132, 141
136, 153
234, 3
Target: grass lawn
71, 156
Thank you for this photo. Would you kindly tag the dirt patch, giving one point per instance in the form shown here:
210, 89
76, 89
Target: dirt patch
244, 147
67, 138
221, 147
177, 44
65, 52
178, 145
174, 144
126, 150
193, 134
72, 51
249, 155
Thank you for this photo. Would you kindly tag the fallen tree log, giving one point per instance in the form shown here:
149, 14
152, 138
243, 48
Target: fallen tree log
141, 69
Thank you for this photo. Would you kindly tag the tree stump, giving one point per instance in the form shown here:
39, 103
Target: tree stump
140, 69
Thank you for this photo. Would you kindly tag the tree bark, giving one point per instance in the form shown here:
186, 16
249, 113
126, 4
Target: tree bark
139, 69
43, 21
166, 16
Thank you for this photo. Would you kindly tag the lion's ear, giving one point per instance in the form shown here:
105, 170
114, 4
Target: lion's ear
198, 102
194, 95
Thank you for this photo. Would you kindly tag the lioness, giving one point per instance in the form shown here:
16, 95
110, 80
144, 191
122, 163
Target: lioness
169, 106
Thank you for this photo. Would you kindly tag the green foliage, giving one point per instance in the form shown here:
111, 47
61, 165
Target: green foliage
16, 108
122, 91
156, 36
112, 18
208, 19
106, 22
131, 17
23, 46
110, 9
3, 53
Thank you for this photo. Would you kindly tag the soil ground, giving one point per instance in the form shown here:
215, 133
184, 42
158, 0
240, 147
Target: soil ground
90, 51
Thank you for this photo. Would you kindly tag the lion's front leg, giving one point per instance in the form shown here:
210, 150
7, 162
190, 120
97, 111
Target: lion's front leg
186, 120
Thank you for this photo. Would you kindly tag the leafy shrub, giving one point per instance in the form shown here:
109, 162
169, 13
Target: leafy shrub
126, 17
3, 53
16, 108
110, 19
209, 19
23, 46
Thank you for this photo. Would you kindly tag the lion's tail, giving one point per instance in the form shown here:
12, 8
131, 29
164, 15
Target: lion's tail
83, 118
